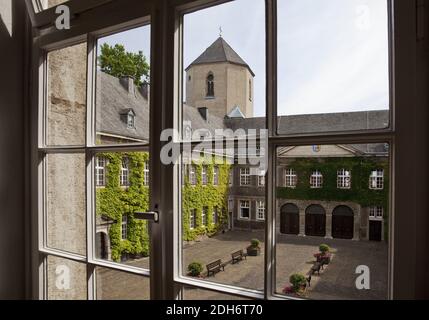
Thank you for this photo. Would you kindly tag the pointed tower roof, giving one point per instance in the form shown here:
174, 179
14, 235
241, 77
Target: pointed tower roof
220, 51
236, 113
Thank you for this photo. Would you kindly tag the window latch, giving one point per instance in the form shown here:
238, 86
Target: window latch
152, 216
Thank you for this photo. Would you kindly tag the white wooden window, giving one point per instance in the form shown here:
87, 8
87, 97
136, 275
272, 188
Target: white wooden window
376, 213
244, 176
215, 216
316, 179
100, 171
192, 217
204, 216
124, 177
215, 175
192, 175
231, 177
146, 173
344, 179
124, 227
260, 210
261, 179
290, 178
204, 177
376, 180
244, 209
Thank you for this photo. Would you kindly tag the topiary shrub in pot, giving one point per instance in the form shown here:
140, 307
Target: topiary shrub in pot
195, 269
298, 283
254, 249
323, 255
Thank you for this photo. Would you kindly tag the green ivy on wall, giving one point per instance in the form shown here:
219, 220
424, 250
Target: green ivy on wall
115, 201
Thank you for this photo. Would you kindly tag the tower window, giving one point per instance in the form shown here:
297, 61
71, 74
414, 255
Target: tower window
210, 85
250, 90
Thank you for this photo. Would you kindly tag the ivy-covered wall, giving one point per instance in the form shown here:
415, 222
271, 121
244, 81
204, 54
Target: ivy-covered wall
115, 201
359, 192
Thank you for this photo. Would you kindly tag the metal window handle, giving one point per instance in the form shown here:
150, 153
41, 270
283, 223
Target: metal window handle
152, 216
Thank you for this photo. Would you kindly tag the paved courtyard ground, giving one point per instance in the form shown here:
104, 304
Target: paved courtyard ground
294, 255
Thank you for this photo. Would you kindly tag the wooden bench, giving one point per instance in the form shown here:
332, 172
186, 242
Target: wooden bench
237, 256
214, 267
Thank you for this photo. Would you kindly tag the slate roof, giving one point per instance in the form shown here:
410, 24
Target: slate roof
112, 100
220, 51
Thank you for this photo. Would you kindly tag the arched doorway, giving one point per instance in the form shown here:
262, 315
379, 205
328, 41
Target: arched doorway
315, 221
289, 219
342, 222
101, 245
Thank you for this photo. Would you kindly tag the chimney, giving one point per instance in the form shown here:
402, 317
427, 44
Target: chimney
145, 90
128, 83
204, 112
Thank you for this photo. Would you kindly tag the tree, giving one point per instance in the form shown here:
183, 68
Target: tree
118, 62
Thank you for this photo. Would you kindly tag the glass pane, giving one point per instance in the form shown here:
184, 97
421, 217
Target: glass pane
122, 188
333, 65
333, 221
66, 202
66, 279
46, 4
123, 87
194, 293
224, 75
66, 99
222, 223
118, 285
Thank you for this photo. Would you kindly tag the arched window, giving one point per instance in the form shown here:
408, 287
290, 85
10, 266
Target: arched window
210, 85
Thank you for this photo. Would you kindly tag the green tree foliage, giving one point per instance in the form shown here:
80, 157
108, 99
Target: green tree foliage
118, 62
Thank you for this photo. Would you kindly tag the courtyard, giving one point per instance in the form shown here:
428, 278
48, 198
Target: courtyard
294, 255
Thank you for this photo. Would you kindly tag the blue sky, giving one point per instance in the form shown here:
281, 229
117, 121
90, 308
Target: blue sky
332, 54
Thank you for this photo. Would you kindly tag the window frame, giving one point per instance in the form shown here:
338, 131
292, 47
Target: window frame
316, 179
124, 175
258, 210
377, 179
291, 178
402, 50
245, 178
344, 179
249, 207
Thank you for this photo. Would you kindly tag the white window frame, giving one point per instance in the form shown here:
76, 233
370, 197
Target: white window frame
124, 227
100, 171
204, 175
192, 215
376, 179
261, 179
192, 174
376, 213
215, 215
291, 178
215, 175
204, 216
245, 204
245, 180
124, 178
146, 173
344, 179
231, 177
260, 210
316, 179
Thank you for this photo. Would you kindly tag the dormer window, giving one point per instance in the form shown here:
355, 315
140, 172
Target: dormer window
128, 116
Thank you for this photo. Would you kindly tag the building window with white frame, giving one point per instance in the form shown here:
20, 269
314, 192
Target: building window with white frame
215, 216
316, 179
230, 205
192, 219
146, 173
260, 210
231, 177
290, 178
204, 177
125, 173
261, 179
124, 226
376, 213
244, 209
204, 216
215, 175
245, 176
192, 175
376, 179
344, 179
100, 171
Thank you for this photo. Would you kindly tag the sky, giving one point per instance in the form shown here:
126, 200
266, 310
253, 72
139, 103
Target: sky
332, 54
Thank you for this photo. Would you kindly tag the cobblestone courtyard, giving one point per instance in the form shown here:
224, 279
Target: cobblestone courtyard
294, 255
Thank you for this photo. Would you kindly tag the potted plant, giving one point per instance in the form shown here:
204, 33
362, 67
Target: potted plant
298, 283
195, 269
324, 254
254, 249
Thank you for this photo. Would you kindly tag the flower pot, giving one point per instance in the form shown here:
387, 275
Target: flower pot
253, 251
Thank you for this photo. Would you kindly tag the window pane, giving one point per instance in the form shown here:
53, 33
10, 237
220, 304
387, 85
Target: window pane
224, 75
119, 236
226, 247
333, 65
344, 219
46, 4
66, 202
66, 279
194, 293
123, 87
66, 99
118, 285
